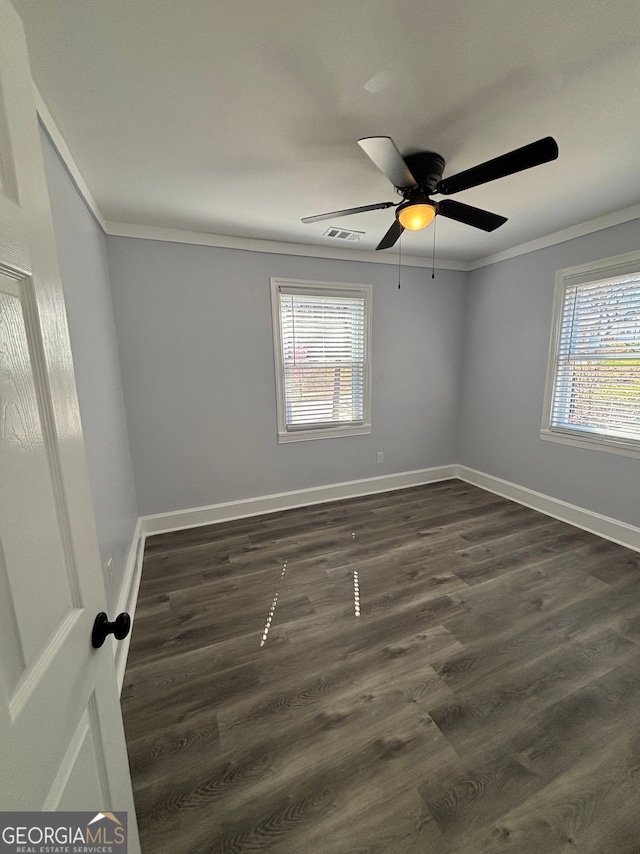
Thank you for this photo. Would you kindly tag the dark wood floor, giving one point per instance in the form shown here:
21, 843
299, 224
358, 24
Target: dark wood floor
485, 699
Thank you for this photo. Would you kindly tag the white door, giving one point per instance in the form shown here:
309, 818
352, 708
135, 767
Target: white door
61, 736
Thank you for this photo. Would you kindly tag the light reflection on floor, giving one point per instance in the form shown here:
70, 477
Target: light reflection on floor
272, 609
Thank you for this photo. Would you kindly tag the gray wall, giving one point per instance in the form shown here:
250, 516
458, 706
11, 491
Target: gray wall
195, 338
82, 255
506, 332
459, 368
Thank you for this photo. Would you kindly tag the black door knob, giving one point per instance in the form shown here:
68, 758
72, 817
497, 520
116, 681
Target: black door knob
102, 627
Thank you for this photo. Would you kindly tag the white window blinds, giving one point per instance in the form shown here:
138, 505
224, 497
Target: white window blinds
324, 357
597, 377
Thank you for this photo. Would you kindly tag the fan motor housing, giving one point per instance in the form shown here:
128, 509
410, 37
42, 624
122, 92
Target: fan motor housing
427, 168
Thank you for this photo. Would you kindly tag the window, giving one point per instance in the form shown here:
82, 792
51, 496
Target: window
593, 385
322, 341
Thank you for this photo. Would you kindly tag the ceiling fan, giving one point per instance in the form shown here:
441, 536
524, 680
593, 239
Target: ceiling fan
417, 177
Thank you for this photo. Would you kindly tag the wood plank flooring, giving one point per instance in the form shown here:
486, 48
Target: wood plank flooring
486, 698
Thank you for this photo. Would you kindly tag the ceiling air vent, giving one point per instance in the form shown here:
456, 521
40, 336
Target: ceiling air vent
342, 234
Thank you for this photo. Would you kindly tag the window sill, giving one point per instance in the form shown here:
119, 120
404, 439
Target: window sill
580, 440
323, 433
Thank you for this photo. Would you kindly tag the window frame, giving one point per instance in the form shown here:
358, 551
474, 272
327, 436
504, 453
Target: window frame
606, 268
317, 288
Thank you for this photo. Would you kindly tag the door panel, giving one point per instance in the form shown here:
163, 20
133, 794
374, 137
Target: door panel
60, 723
26, 489
13, 244
81, 779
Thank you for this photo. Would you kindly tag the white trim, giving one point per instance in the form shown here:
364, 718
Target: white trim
312, 433
173, 235
591, 271
603, 526
277, 247
360, 291
582, 440
562, 236
610, 267
550, 380
128, 598
161, 523
60, 145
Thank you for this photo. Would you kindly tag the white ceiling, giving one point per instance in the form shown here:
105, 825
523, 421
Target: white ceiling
238, 117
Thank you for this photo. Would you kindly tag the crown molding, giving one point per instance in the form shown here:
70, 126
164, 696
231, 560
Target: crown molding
57, 140
597, 224
252, 244
173, 235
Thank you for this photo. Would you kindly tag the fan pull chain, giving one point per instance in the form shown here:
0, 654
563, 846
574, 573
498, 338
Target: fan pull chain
399, 259
433, 258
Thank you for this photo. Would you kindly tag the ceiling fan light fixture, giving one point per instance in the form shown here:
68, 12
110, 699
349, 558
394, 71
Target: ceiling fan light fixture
418, 176
415, 216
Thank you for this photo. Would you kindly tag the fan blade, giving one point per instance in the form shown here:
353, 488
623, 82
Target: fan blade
382, 150
349, 211
470, 216
526, 157
391, 236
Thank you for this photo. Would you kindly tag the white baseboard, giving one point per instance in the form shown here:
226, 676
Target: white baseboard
129, 597
603, 526
161, 523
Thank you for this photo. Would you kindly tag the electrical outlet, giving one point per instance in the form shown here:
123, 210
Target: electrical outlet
379, 456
